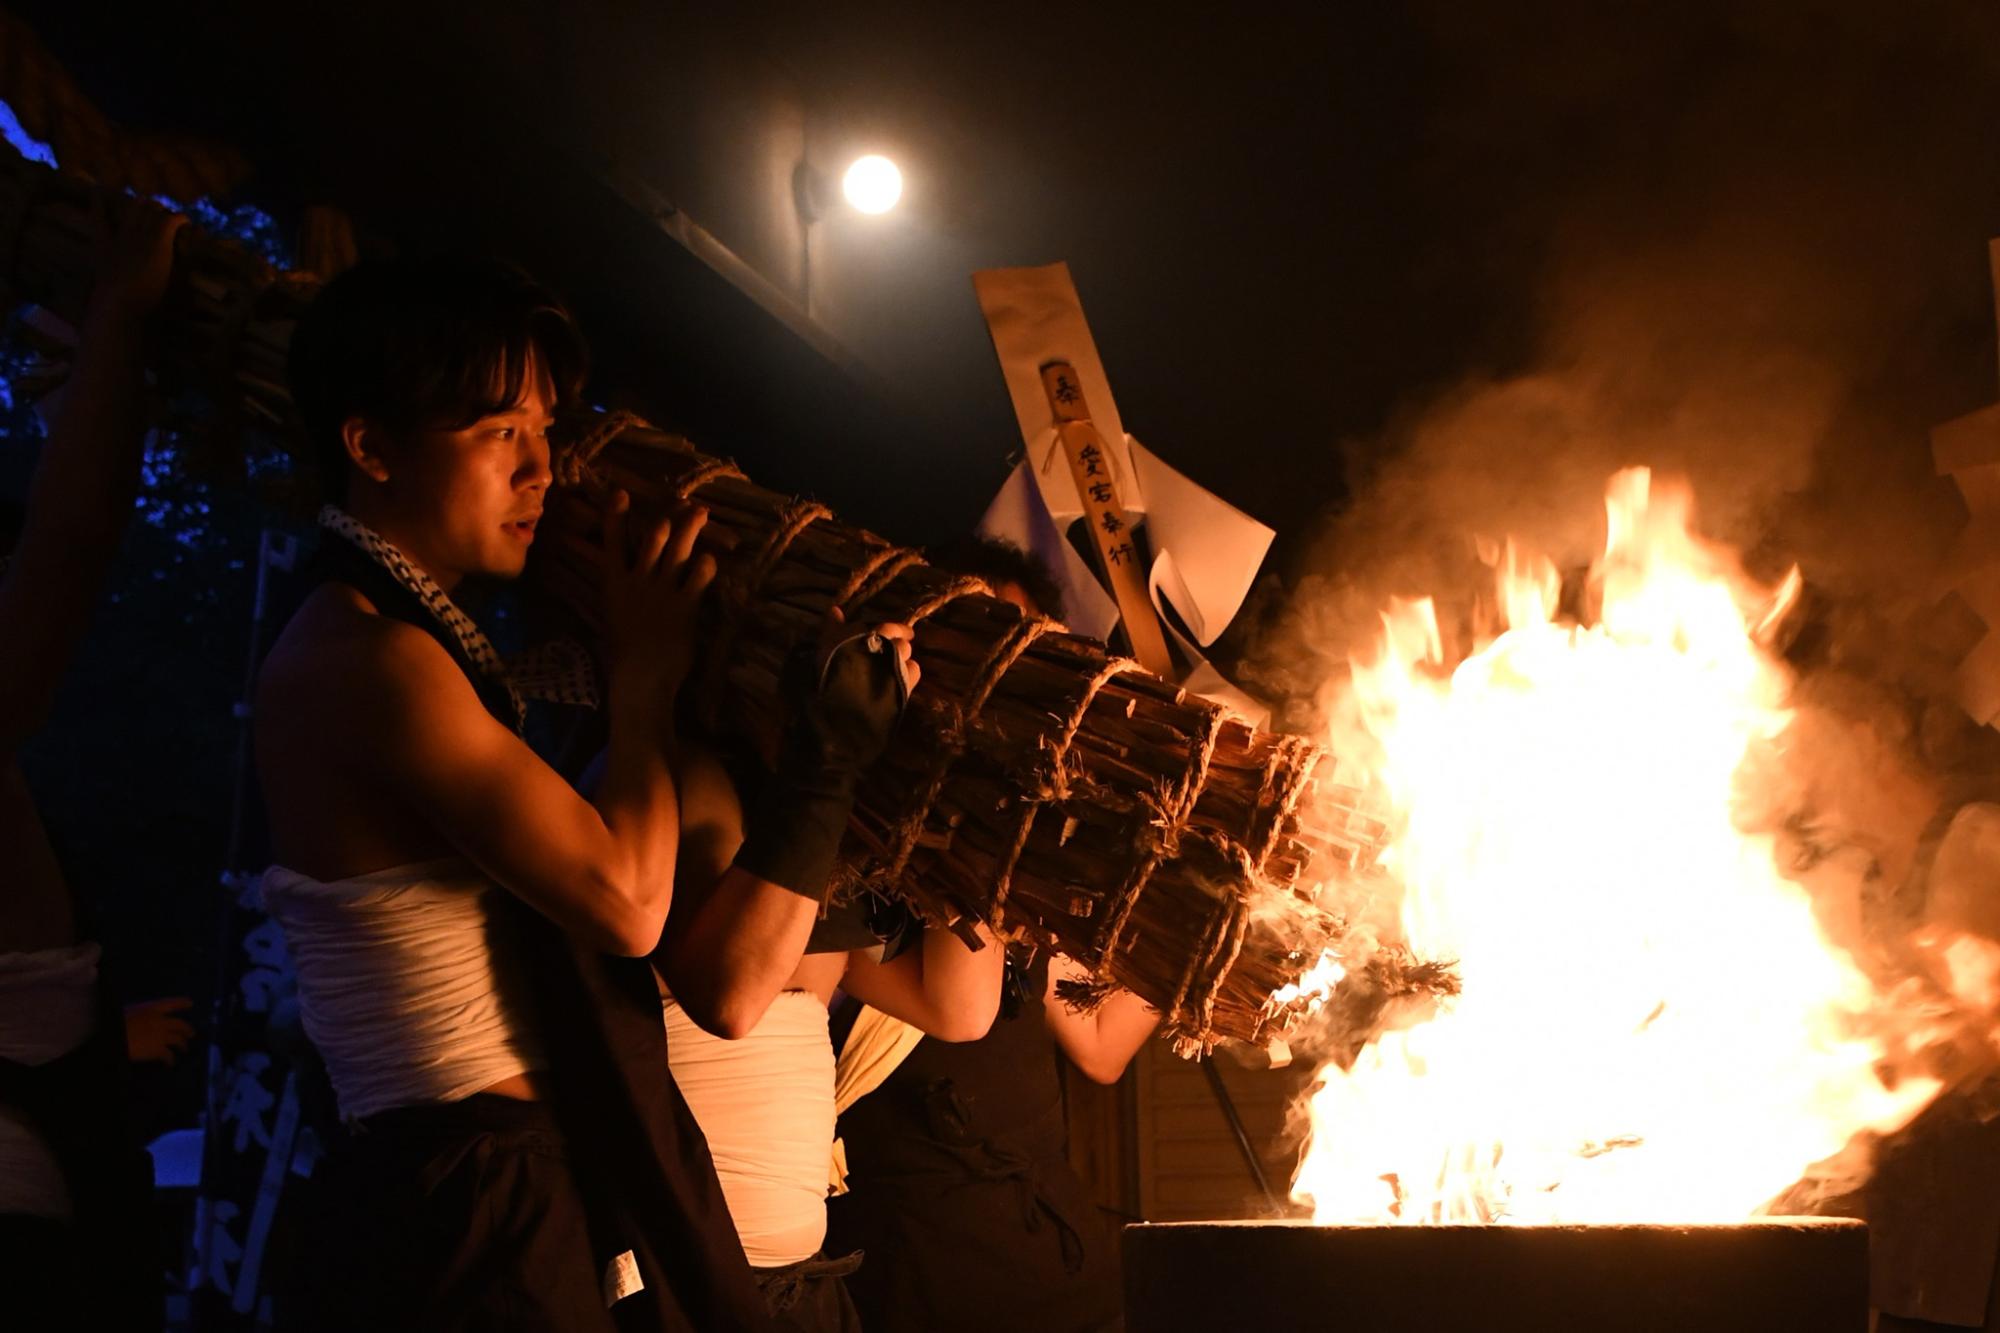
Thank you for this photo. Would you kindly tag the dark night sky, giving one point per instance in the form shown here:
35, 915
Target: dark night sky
1297, 228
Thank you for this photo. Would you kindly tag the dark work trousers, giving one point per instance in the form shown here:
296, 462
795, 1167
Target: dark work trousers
458, 1216
810, 1296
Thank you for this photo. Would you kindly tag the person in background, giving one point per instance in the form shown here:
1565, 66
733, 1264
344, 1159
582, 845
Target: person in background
959, 1188
761, 1079
77, 1244
751, 952
745, 991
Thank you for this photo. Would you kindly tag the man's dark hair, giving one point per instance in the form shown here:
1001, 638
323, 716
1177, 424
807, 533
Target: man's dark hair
425, 344
1000, 561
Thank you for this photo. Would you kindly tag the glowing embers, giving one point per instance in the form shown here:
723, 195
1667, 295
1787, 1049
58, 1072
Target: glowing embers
1652, 1027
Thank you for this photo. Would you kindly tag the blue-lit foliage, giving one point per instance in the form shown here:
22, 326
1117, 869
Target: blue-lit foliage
24, 143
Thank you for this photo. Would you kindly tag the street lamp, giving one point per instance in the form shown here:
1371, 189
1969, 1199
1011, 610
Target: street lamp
872, 184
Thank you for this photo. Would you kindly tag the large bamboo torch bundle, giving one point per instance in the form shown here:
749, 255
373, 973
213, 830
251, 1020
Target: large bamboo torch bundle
1040, 782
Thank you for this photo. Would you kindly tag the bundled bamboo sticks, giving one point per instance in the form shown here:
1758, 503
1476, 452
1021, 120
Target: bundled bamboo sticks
1040, 783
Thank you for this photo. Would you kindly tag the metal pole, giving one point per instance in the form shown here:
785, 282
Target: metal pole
1227, 1104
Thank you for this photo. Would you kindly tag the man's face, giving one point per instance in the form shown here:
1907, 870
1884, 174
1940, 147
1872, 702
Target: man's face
467, 501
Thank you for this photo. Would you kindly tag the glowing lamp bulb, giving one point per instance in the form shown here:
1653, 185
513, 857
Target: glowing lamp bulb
872, 184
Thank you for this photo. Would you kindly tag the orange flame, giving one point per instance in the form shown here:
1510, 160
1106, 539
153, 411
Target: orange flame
1652, 1027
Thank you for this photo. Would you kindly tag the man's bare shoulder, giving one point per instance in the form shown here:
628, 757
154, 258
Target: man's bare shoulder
338, 650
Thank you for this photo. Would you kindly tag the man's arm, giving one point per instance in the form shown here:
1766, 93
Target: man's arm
409, 721
1102, 1042
736, 939
754, 880
400, 715
943, 987
89, 473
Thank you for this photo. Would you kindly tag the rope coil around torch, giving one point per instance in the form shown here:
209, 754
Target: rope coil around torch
713, 469
952, 738
873, 575
575, 465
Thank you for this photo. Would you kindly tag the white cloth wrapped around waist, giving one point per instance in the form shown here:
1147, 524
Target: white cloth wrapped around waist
398, 983
47, 1008
765, 1103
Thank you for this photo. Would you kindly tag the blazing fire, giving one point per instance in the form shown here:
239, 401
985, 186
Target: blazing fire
1652, 1026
